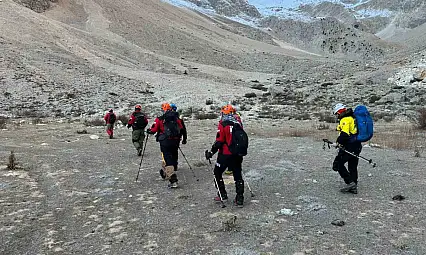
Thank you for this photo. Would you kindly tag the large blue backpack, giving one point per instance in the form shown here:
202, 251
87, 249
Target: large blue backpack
364, 123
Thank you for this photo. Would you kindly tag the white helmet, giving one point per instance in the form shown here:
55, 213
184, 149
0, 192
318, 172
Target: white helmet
338, 107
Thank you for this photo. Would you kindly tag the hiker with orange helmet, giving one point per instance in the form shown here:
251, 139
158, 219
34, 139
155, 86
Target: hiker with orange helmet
229, 156
138, 121
347, 140
237, 117
169, 130
110, 118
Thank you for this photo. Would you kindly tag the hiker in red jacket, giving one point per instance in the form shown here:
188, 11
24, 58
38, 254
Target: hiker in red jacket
138, 122
110, 118
226, 159
169, 130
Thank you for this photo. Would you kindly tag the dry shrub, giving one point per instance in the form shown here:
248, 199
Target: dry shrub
398, 137
421, 119
36, 121
323, 126
94, 122
12, 161
123, 118
205, 115
3, 122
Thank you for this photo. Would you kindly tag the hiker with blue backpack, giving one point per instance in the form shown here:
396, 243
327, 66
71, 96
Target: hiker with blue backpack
354, 127
232, 143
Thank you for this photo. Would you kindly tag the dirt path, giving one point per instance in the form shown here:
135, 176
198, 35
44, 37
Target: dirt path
79, 196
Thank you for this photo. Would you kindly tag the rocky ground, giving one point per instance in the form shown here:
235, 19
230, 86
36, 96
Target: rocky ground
76, 194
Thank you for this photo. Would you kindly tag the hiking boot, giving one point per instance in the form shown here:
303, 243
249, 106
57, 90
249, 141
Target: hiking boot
139, 152
350, 188
354, 190
239, 201
110, 136
229, 172
173, 185
163, 175
224, 198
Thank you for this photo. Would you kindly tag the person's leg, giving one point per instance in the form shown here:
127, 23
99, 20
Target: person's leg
176, 157
169, 168
236, 165
141, 138
135, 141
339, 164
353, 162
110, 130
220, 166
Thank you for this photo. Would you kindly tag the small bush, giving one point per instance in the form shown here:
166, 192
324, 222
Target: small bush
123, 118
94, 122
12, 161
323, 126
36, 121
3, 122
250, 95
205, 115
325, 117
421, 119
31, 114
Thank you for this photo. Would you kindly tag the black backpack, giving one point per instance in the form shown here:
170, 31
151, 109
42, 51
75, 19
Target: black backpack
239, 141
171, 126
140, 122
112, 118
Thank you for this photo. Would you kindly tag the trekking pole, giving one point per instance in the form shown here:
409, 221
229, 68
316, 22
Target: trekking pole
370, 161
192, 170
217, 186
143, 153
248, 185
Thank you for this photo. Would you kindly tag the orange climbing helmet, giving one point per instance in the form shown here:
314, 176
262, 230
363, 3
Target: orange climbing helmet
166, 107
227, 109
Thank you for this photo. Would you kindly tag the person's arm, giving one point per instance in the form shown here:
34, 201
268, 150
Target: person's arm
183, 131
220, 139
155, 127
131, 120
344, 129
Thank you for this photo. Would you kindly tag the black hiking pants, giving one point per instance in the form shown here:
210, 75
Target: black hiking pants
349, 174
169, 149
232, 162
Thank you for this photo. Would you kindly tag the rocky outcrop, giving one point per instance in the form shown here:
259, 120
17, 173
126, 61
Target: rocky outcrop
229, 8
36, 5
328, 35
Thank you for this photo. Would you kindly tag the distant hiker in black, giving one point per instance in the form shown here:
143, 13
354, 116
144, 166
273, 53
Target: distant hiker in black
347, 139
110, 118
138, 122
169, 130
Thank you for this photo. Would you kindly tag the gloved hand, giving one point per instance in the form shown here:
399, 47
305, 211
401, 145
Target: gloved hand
335, 145
149, 131
208, 154
184, 141
128, 125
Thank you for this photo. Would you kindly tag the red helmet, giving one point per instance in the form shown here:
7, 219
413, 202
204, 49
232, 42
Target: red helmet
138, 107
